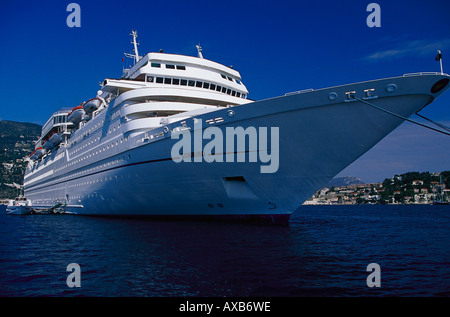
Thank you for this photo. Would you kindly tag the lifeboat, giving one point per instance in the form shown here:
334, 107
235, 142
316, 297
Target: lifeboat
47, 146
76, 115
39, 152
91, 105
55, 139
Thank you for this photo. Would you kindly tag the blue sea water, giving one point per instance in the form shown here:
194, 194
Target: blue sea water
323, 252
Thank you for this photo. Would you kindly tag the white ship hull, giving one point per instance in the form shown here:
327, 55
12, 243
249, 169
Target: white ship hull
319, 136
19, 206
18, 210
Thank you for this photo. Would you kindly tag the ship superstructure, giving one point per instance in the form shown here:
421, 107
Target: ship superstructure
113, 154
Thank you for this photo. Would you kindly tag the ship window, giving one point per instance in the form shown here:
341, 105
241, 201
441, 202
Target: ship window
223, 76
219, 88
168, 80
206, 85
181, 67
176, 81
149, 79
183, 82
191, 83
238, 81
158, 65
199, 84
140, 77
170, 66
233, 93
224, 89
228, 91
229, 78
238, 94
212, 87
159, 80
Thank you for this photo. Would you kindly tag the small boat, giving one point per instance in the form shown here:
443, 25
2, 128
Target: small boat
76, 115
33, 156
47, 146
55, 139
19, 206
91, 105
39, 152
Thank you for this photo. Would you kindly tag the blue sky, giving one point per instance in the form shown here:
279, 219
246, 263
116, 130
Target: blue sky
277, 46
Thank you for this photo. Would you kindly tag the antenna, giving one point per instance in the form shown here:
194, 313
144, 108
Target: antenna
135, 56
199, 50
439, 58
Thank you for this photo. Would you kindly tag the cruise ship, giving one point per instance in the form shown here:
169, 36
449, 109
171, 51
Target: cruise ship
132, 149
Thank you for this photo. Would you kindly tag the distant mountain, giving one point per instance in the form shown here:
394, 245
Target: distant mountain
13, 128
12, 132
345, 181
16, 142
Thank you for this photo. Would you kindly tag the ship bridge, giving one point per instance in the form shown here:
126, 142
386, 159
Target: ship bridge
172, 86
161, 70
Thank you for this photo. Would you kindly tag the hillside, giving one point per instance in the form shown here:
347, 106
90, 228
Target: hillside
345, 181
407, 188
403, 188
16, 141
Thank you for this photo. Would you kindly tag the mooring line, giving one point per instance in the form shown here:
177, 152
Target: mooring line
434, 122
402, 117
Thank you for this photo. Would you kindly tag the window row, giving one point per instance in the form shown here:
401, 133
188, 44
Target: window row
99, 167
195, 83
182, 67
60, 119
169, 66
230, 79
97, 151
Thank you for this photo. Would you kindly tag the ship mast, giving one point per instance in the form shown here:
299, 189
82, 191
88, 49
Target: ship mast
199, 50
136, 54
135, 44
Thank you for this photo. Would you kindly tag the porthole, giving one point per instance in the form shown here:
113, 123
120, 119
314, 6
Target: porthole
391, 87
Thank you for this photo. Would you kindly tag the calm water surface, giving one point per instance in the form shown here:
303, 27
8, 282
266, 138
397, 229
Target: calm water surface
323, 252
